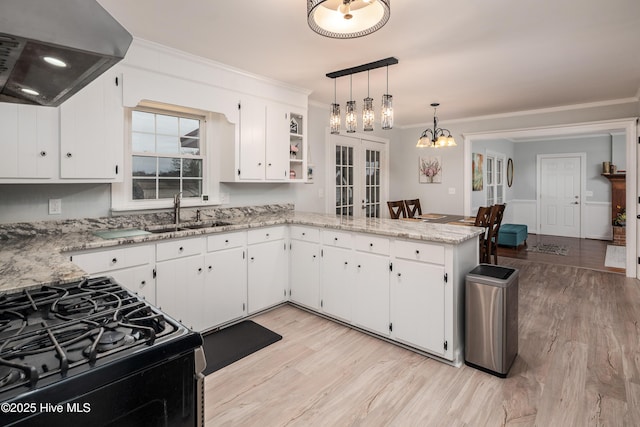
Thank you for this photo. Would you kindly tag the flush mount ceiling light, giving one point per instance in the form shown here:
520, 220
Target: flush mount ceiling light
434, 138
347, 19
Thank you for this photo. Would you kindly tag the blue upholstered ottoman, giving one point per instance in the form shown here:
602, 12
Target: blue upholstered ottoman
512, 234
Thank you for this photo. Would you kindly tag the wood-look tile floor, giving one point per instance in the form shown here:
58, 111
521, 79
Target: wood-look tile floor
578, 365
586, 253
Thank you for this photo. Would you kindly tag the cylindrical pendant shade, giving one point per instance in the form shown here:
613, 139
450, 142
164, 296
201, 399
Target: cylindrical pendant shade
351, 119
334, 120
387, 111
368, 116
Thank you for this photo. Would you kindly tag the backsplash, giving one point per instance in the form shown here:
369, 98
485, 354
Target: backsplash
25, 229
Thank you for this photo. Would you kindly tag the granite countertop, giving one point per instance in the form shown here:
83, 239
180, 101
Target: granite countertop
36, 254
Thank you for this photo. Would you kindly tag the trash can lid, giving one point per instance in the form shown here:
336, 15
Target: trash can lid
495, 271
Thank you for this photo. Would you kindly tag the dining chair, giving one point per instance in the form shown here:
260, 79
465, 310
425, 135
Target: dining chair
397, 209
412, 208
482, 220
495, 219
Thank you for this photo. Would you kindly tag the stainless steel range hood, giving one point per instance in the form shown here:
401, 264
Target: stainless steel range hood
80, 33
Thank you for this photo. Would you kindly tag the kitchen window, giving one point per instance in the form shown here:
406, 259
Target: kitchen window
166, 155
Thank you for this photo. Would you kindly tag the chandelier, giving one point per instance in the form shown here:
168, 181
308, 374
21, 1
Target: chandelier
347, 19
434, 138
368, 115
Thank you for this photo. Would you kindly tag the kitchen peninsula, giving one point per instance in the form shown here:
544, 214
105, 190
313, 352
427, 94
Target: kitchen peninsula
400, 281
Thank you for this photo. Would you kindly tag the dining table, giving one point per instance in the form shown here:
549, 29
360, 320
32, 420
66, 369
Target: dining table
438, 218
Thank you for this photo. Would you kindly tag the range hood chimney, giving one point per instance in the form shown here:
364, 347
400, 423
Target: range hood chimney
79, 33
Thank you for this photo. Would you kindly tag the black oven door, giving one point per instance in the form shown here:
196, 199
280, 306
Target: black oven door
161, 395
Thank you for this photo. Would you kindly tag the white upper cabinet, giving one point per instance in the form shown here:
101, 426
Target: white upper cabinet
92, 131
262, 149
29, 139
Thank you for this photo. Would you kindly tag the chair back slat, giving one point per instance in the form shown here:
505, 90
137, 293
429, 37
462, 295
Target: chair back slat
495, 219
397, 209
412, 207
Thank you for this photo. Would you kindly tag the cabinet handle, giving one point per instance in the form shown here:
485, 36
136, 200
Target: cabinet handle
359, 265
370, 245
346, 263
210, 268
144, 282
181, 249
399, 274
251, 258
314, 256
304, 234
335, 239
267, 234
269, 164
200, 270
69, 155
43, 153
226, 241
259, 164
417, 252
113, 261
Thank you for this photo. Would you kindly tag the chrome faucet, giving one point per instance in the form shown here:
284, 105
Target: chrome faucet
176, 207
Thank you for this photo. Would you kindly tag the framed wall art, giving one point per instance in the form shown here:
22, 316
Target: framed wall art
476, 165
430, 170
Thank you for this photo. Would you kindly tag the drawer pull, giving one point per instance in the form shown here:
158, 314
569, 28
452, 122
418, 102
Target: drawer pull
304, 234
226, 241
370, 245
267, 234
114, 260
200, 270
43, 153
144, 282
181, 249
417, 252
335, 239
210, 268
69, 155
346, 263
399, 274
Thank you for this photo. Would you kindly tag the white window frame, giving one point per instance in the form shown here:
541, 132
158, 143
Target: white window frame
495, 177
121, 192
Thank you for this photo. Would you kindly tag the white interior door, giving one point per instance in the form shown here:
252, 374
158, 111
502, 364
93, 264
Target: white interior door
358, 177
560, 194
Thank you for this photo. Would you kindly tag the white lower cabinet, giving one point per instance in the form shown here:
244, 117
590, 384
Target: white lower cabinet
180, 280
179, 289
417, 304
304, 260
225, 286
371, 303
267, 278
338, 282
132, 267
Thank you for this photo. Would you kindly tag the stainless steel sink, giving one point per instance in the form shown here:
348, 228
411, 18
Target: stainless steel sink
170, 228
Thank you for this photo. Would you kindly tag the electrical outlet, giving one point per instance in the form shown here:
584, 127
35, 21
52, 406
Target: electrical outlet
55, 206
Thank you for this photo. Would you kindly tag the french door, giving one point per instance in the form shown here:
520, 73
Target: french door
359, 177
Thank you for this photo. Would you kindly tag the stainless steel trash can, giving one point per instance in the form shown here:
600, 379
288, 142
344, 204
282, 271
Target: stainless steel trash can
491, 318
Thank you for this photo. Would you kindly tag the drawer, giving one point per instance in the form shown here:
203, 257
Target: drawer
179, 248
261, 235
221, 241
338, 239
305, 233
372, 244
114, 259
417, 251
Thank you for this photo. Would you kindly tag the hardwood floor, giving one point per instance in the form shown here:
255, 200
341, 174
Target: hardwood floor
578, 365
586, 253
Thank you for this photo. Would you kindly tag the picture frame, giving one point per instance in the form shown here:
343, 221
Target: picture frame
476, 172
509, 172
430, 170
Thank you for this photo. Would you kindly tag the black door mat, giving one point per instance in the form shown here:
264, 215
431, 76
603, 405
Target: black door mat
228, 345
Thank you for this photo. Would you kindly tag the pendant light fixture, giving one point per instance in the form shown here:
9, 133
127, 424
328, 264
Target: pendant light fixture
387, 107
368, 115
350, 116
347, 19
434, 138
334, 120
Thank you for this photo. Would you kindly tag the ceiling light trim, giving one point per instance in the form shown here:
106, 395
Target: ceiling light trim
327, 22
